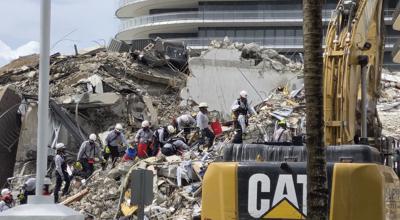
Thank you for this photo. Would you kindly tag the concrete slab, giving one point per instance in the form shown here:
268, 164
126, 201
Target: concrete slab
220, 74
9, 131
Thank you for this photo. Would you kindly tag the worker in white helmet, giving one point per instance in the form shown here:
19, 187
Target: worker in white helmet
203, 125
114, 140
88, 153
161, 137
185, 123
244, 110
143, 139
238, 132
61, 171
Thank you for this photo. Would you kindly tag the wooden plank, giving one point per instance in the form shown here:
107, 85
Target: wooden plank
75, 197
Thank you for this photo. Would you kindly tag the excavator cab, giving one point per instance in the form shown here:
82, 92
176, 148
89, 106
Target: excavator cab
259, 181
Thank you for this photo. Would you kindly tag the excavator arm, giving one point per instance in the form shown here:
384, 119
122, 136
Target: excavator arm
352, 71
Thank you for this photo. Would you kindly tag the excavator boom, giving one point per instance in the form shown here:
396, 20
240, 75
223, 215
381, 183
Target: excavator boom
352, 72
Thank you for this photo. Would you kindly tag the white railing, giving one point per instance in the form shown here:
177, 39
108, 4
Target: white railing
215, 16
209, 16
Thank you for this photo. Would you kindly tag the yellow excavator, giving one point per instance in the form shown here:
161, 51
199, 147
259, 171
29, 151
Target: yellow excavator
362, 185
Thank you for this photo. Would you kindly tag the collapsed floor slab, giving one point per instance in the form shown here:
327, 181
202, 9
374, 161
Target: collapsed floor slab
219, 75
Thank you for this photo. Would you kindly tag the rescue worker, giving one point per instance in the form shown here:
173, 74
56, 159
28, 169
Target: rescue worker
114, 140
7, 200
61, 172
174, 146
185, 123
29, 187
143, 140
88, 153
244, 110
161, 137
282, 133
238, 133
203, 125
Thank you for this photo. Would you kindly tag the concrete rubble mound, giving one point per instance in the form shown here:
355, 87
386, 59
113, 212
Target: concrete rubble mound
176, 186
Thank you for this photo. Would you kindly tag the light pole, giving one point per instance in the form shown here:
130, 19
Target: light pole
39, 206
43, 112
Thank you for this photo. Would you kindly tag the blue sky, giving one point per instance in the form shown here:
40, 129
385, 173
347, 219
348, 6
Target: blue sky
86, 22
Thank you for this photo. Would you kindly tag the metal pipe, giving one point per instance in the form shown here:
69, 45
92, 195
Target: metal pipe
364, 102
363, 61
43, 112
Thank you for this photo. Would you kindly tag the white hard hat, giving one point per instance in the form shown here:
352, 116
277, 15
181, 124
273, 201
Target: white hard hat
171, 129
203, 105
235, 107
47, 181
5, 191
145, 124
60, 146
92, 137
118, 126
243, 94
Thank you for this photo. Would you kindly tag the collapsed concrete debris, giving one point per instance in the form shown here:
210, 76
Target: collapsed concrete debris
280, 105
226, 68
389, 103
89, 94
164, 53
98, 89
177, 188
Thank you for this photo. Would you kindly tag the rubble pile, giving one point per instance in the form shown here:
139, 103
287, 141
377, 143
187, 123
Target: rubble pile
268, 58
176, 187
112, 86
389, 103
102, 199
280, 105
170, 107
69, 74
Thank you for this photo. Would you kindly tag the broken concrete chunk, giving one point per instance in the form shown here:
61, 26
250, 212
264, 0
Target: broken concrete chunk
277, 65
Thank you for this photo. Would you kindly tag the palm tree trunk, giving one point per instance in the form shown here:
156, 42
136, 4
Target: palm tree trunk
317, 196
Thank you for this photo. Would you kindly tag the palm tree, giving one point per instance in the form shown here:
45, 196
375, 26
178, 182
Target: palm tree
317, 190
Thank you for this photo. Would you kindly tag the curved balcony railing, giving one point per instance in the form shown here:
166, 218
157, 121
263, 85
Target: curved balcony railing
211, 16
123, 3
219, 16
